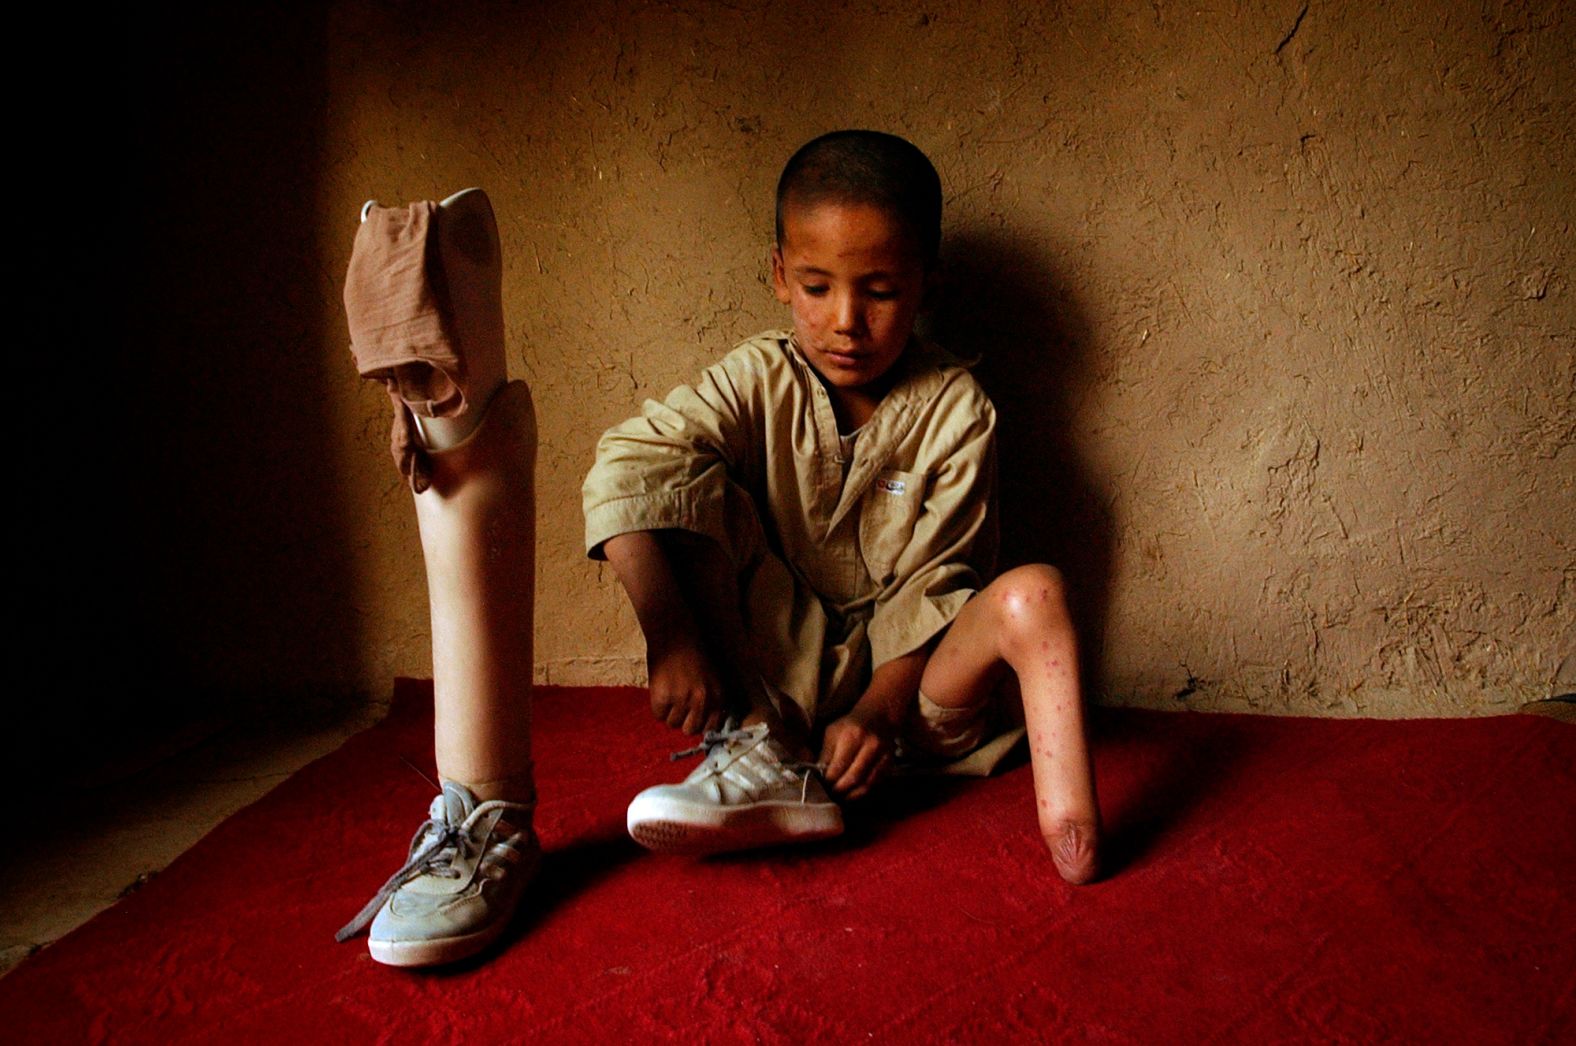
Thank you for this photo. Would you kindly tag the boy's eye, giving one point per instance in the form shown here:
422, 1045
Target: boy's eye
815, 290
882, 293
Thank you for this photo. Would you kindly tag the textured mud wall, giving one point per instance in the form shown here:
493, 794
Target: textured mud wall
1275, 299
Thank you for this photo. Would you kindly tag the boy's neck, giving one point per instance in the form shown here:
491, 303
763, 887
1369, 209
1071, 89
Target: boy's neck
853, 407
852, 411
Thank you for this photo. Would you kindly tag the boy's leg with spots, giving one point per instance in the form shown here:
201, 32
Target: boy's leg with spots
1020, 621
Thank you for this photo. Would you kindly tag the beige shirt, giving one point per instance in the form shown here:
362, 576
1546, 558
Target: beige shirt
846, 564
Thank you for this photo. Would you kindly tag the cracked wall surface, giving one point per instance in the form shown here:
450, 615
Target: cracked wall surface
1275, 299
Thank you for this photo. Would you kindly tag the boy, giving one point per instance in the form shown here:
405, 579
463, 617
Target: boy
806, 537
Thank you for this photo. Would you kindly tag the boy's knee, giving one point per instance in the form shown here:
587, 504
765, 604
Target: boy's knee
1031, 599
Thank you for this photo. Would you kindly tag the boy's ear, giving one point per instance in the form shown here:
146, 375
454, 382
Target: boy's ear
779, 276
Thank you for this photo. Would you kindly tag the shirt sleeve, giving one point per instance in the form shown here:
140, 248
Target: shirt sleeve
953, 549
668, 467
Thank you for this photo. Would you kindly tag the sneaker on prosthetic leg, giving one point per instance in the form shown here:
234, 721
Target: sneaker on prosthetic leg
469, 864
747, 792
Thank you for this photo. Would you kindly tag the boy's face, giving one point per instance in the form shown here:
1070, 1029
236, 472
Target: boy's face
854, 280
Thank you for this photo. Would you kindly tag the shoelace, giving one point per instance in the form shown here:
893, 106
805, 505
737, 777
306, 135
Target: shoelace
436, 857
711, 739
730, 733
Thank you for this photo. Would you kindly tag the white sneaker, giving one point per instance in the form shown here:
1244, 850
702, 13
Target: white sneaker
746, 793
468, 866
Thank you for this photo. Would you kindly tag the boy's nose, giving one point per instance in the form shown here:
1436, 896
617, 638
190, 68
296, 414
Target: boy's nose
847, 314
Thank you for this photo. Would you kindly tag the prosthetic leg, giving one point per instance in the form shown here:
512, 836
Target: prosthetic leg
424, 297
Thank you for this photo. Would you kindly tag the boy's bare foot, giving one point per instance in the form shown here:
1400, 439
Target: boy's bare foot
1075, 850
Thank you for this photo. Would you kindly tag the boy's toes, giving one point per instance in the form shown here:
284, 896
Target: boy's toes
1074, 850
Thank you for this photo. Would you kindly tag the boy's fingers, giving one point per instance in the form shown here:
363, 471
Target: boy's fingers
858, 772
879, 771
871, 779
702, 709
840, 765
834, 756
717, 709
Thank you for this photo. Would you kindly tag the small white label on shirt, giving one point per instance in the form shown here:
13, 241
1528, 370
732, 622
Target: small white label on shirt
892, 486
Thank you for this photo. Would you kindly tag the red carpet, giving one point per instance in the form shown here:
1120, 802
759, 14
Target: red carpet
1276, 879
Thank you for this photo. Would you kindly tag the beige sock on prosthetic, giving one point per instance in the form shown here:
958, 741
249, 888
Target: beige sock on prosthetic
470, 276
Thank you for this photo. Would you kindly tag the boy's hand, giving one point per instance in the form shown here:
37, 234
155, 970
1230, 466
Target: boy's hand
855, 750
686, 692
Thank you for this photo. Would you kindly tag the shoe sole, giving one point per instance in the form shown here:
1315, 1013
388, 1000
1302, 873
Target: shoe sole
667, 826
433, 953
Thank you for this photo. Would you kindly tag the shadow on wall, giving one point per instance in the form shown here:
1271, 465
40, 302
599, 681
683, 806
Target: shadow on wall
1005, 303
240, 323
194, 557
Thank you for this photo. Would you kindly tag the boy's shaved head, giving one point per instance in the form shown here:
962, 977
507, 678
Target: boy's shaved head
871, 168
